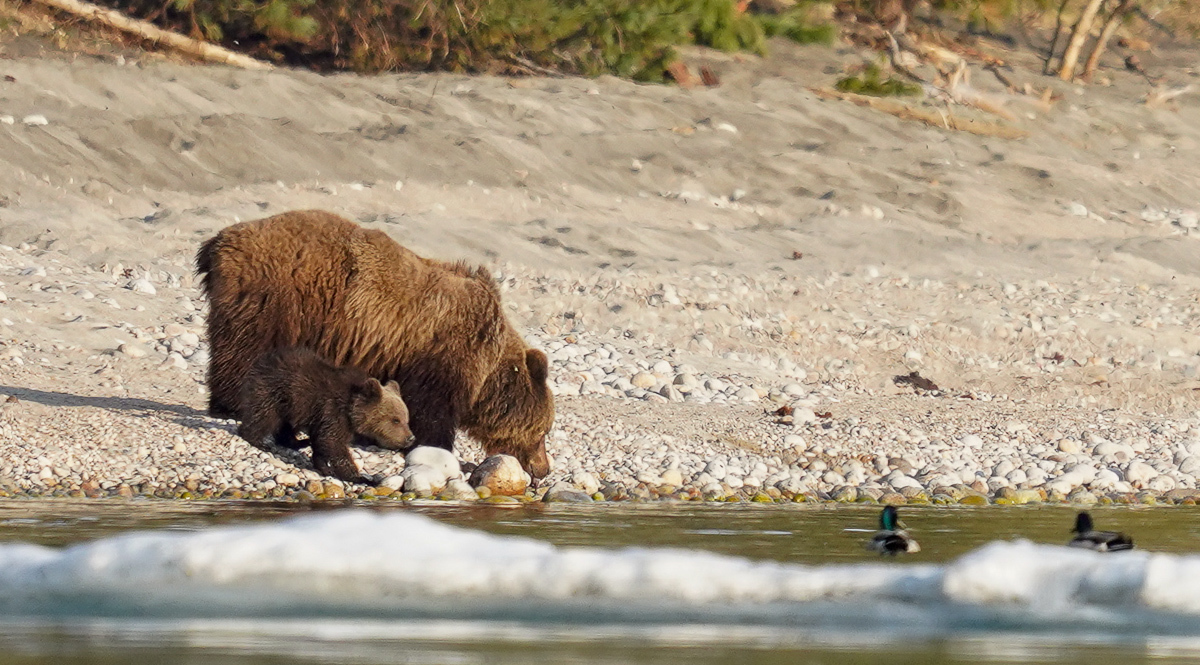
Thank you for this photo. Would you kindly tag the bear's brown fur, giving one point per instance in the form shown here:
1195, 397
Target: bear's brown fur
292, 389
357, 298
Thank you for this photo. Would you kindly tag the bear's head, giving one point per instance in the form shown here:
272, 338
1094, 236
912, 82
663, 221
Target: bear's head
379, 412
515, 410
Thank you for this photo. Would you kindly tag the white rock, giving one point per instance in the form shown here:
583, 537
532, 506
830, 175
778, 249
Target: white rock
35, 120
748, 394
141, 285
442, 460
1111, 451
901, 481
1161, 484
422, 479
672, 477
393, 482
643, 380
1078, 209
1069, 446
458, 489
586, 481
132, 350
802, 416
287, 479
173, 361
971, 441
1105, 479
1139, 473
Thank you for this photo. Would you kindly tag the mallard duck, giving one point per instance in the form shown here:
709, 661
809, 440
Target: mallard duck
1101, 541
891, 539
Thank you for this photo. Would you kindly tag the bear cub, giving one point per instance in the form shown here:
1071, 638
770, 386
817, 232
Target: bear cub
292, 389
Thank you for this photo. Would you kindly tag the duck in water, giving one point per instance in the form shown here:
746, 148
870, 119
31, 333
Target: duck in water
1101, 541
891, 539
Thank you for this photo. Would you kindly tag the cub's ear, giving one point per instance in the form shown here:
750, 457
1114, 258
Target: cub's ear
393, 386
539, 367
370, 389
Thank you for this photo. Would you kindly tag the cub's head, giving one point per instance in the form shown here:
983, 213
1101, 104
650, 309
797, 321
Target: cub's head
377, 411
515, 411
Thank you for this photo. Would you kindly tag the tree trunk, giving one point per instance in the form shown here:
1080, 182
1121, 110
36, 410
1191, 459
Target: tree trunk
1078, 37
1110, 27
1058, 26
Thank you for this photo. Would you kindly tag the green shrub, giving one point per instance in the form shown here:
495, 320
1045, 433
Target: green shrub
794, 25
872, 83
630, 38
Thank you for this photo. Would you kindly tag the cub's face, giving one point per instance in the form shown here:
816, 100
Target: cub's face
381, 414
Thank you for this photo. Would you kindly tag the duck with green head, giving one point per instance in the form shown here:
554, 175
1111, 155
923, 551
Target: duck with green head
1101, 541
892, 539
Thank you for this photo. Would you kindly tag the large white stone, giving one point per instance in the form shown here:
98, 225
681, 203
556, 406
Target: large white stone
438, 458
423, 480
1139, 473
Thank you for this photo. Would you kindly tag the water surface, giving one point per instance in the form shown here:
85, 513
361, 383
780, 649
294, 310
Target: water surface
646, 583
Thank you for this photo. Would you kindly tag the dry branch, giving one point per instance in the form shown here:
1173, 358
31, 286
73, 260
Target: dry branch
1110, 27
932, 118
151, 32
1078, 37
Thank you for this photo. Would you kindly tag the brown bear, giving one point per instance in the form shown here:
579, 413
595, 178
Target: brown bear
292, 389
358, 298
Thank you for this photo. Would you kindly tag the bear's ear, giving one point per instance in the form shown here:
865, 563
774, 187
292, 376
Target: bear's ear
370, 389
393, 386
539, 367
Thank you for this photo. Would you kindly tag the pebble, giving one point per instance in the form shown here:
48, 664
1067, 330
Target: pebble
132, 350
141, 285
459, 490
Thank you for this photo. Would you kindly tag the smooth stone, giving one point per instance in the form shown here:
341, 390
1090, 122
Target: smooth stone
502, 474
1139, 472
440, 459
132, 350
393, 482
672, 477
423, 480
287, 479
458, 489
563, 493
586, 481
643, 380
141, 285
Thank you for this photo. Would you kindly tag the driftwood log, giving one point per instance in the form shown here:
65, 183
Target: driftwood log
149, 31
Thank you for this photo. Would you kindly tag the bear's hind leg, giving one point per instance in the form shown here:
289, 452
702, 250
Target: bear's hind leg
255, 429
285, 437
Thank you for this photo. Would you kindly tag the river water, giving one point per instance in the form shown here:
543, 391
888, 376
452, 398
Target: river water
215, 582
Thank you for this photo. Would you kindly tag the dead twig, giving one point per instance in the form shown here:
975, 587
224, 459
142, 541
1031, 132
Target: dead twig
931, 118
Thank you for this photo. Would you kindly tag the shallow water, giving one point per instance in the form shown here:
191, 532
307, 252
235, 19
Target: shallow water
588, 584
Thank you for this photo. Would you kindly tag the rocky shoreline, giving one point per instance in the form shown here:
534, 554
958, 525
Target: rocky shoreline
643, 416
